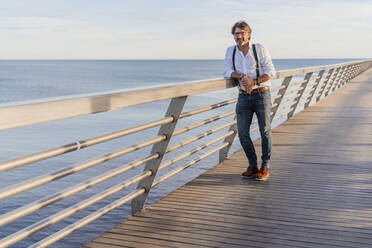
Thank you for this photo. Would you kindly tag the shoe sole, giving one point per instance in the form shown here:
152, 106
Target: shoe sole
251, 177
262, 179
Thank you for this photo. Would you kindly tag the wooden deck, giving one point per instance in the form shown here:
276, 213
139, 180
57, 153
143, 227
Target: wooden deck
319, 193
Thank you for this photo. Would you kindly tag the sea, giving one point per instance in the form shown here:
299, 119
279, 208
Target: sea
32, 80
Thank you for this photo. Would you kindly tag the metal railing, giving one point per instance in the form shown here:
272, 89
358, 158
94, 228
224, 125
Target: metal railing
298, 89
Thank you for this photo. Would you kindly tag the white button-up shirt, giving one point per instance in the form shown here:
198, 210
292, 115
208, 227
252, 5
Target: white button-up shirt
247, 64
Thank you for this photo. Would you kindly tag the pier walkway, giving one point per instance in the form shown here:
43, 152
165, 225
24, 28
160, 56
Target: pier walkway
318, 195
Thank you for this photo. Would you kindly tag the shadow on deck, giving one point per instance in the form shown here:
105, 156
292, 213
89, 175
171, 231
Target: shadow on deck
318, 195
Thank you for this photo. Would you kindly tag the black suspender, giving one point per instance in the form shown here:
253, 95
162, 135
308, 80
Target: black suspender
255, 57
236, 81
233, 58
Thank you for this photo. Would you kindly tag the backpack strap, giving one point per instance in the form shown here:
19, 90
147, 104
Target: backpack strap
256, 58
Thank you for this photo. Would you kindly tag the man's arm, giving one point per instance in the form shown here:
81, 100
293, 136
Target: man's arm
262, 79
268, 68
248, 82
228, 66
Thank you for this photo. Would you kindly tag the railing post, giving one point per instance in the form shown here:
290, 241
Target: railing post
348, 74
333, 81
174, 110
353, 72
310, 97
301, 92
345, 77
281, 92
225, 151
340, 78
329, 75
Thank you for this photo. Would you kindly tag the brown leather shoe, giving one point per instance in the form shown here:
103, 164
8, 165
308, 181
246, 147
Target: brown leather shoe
263, 174
251, 172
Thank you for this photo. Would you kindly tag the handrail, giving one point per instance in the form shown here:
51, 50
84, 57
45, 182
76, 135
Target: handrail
288, 98
39, 111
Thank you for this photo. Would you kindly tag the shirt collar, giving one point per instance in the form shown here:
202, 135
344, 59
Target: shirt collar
249, 51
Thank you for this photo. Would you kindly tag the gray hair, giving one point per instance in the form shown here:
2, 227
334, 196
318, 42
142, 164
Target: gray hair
242, 25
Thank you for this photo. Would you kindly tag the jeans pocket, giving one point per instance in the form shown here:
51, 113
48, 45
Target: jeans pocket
265, 94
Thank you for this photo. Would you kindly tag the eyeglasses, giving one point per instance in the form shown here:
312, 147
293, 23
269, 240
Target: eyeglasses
240, 33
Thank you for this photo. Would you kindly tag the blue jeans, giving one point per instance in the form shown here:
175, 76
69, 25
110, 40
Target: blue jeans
259, 103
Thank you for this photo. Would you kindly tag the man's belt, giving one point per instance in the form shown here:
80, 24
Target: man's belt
254, 91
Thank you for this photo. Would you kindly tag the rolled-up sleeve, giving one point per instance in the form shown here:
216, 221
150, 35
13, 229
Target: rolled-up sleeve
228, 66
266, 63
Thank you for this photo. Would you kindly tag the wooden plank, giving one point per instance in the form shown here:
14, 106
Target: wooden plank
226, 239
238, 235
318, 195
197, 225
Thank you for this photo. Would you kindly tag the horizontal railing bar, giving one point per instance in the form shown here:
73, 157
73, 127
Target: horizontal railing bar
36, 182
201, 110
39, 111
83, 222
321, 89
198, 137
289, 99
192, 162
277, 96
284, 106
294, 102
11, 164
34, 206
35, 112
311, 90
57, 217
277, 88
288, 111
202, 123
283, 114
296, 83
284, 101
287, 73
195, 150
293, 91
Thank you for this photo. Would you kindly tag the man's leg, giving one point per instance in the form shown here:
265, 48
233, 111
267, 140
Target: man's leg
263, 109
244, 115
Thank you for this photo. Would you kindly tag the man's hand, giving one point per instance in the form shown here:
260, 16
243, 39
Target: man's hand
248, 84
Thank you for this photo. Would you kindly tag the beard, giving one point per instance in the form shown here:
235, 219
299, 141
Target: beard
242, 42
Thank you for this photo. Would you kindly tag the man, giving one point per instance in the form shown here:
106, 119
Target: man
254, 95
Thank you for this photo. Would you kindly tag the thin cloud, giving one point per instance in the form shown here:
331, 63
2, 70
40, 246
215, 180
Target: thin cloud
178, 29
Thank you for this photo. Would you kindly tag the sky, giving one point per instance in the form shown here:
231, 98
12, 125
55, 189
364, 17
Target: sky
175, 29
